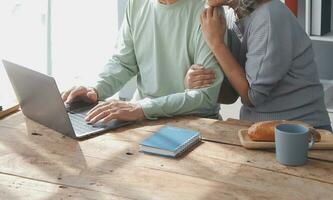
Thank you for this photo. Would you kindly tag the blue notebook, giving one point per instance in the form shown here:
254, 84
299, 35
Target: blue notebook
170, 141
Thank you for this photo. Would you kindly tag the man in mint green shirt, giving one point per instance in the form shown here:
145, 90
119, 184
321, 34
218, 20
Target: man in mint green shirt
159, 41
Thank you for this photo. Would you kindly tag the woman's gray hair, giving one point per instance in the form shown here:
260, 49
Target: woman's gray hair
248, 6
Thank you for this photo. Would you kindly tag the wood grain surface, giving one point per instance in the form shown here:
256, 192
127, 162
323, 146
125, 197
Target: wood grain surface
39, 163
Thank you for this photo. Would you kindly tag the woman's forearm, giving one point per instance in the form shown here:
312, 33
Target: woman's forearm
234, 72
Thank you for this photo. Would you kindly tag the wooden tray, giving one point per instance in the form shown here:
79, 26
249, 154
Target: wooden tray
325, 143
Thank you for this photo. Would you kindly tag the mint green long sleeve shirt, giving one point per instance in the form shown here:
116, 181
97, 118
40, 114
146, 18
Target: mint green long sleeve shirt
159, 43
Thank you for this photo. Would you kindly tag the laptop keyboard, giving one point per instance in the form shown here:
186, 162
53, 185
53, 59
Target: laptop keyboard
79, 124
81, 127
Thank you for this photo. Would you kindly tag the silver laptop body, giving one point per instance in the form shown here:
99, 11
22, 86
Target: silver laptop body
40, 100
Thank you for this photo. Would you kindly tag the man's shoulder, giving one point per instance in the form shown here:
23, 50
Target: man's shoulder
194, 5
198, 3
135, 8
197, 6
138, 4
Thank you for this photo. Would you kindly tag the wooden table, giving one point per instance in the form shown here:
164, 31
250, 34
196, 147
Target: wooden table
37, 163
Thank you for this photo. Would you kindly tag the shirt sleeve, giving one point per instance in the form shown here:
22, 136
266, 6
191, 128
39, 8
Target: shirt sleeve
123, 65
269, 56
194, 101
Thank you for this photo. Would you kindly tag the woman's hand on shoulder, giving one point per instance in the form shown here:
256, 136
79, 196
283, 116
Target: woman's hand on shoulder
199, 77
213, 27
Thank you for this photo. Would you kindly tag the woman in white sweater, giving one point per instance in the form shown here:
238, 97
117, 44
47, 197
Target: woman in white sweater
270, 62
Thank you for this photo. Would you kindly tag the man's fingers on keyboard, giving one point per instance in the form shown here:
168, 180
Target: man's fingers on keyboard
110, 117
97, 111
96, 107
100, 116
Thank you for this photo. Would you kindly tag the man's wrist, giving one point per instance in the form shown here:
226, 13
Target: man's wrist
149, 110
139, 111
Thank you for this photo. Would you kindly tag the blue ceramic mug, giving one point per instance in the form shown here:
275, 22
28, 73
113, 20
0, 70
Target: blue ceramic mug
292, 144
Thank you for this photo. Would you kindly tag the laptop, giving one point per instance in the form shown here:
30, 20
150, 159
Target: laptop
40, 100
